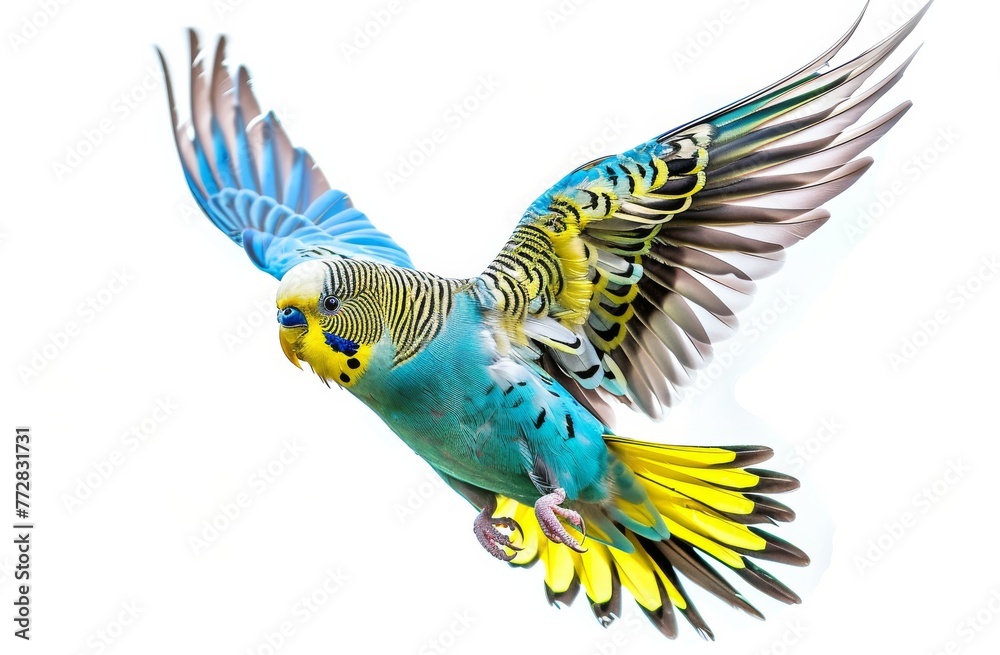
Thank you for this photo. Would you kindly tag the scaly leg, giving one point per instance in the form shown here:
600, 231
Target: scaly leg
495, 542
548, 510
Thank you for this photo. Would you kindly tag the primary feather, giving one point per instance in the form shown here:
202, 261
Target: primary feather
614, 286
654, 251
261, 192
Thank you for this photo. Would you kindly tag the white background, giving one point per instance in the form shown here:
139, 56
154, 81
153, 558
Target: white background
893, 571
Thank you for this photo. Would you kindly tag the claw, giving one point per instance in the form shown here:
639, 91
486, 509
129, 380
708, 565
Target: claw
492, 540
548, 509
509, 524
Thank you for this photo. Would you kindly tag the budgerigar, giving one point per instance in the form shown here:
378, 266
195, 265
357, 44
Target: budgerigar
612, 288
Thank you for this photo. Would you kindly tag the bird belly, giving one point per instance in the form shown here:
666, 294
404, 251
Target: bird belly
488, 420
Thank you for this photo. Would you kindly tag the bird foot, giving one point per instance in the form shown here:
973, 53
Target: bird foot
548, 510
496, 542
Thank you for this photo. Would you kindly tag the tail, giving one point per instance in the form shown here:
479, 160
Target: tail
708, 500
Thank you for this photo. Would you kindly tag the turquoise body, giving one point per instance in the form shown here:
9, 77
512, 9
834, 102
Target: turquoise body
485, 419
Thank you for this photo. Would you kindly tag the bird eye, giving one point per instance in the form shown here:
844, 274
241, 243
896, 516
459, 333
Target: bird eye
331, 303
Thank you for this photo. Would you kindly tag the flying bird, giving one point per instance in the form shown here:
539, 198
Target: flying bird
613, 288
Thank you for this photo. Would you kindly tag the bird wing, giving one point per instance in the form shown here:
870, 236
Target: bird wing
620, 277
265, 194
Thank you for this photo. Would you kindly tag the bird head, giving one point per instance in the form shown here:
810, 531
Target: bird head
329, 317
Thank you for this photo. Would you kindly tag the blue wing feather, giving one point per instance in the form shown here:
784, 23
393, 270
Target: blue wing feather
329, 204
297, 183
260, 191
248, 171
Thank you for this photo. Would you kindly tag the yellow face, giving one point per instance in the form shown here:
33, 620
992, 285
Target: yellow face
328, 320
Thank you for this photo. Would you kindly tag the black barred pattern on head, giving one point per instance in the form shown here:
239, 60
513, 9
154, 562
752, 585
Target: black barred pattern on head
358, 318
413, 305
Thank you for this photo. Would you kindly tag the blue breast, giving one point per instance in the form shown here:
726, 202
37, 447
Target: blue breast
488, 420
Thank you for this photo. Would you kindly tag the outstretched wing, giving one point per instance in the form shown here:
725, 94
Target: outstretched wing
622, 275
265, 194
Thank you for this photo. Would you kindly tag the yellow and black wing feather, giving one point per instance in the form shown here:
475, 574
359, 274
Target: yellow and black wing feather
622, 276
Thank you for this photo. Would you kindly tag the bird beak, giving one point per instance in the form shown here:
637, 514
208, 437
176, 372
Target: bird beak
289, 353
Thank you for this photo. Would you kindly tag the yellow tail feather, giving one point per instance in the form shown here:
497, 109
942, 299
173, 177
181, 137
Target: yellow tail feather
709, 501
